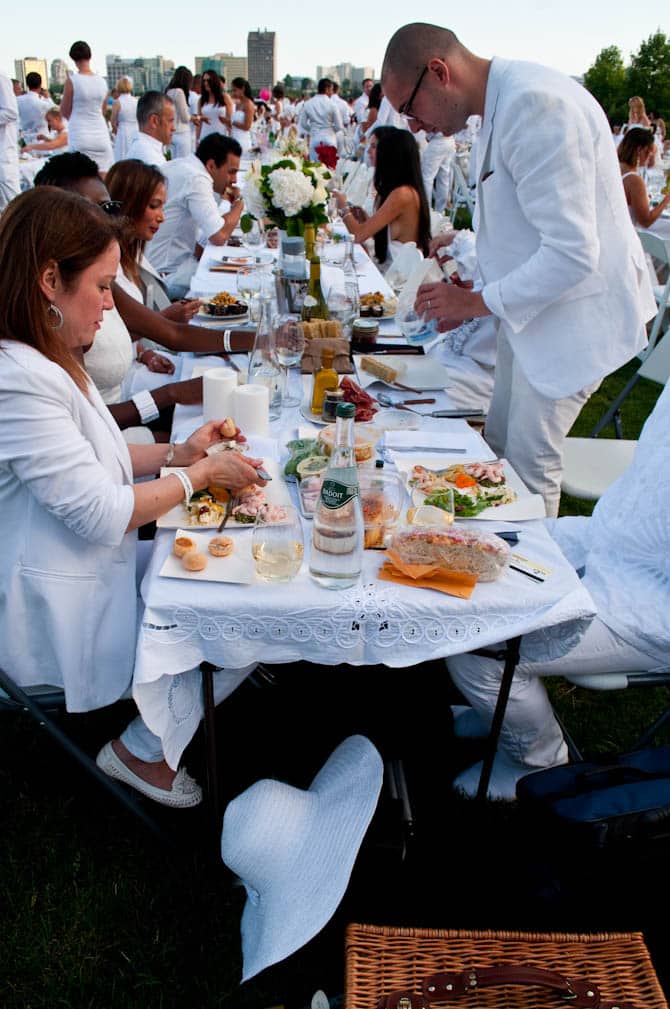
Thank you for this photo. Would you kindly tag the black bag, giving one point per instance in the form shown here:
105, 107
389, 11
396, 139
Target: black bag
624, 801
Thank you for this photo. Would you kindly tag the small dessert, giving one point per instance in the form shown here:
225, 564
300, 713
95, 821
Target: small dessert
182, 545
228, 428
221, 546
194, 561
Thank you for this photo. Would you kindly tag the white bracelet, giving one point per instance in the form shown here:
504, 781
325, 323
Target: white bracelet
183, 478
146, 406
170, 453
226, 340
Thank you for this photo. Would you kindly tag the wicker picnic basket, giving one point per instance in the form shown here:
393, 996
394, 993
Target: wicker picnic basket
383, 960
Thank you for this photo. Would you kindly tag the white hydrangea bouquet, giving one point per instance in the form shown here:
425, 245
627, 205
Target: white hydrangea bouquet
289, 193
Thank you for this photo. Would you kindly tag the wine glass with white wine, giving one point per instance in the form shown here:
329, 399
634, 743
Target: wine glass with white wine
277, 543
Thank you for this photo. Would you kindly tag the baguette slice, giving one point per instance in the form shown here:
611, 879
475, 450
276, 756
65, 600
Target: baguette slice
379, 368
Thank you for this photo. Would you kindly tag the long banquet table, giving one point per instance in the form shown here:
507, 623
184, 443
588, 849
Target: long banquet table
185, 623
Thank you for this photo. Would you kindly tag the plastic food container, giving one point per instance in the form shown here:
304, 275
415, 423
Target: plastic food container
382, 499
365, 439
453, 548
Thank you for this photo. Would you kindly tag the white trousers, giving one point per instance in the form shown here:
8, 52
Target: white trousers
531, 736
181, 144
436, 167
528, 428
10, 183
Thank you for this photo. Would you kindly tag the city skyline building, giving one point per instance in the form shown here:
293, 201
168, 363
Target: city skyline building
225, 64
58, 75
342, 72
148, 73
29, 65
261, 59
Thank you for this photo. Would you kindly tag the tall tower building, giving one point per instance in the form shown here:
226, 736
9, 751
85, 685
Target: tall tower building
261, 59
58, 73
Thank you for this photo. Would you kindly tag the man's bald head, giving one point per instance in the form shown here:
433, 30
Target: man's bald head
413, 44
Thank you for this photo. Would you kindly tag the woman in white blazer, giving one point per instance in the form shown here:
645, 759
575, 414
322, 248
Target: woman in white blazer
69, 504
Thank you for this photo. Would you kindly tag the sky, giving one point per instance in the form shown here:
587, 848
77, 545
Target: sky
567, 35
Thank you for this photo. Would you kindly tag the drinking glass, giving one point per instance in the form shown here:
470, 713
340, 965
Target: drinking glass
277, 543
255, 238
341, 308
253, 281
289, 348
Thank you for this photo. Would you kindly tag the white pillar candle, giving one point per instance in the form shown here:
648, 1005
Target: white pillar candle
217, 386
250, 408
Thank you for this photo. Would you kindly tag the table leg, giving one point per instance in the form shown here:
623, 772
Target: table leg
511, 660
209, 725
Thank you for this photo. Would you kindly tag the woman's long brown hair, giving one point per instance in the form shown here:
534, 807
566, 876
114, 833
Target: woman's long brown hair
133, 183
42, 226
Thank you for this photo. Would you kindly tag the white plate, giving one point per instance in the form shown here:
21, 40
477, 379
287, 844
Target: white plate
396, 420
225, 321
313, 418
276, 492
420, 372
527, 506
237, 567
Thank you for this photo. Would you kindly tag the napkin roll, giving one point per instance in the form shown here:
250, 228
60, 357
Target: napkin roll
217, 386
250, 409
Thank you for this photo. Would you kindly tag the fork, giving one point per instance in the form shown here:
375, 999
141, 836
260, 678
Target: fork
230, 504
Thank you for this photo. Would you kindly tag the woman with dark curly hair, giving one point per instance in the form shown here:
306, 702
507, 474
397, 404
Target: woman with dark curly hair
179, 90
401, 210
243, 116
634, 151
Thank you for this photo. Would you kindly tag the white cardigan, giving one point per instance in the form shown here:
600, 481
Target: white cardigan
67, 565
562, 266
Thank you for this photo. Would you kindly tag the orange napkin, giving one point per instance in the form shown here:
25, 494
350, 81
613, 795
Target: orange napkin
427, 576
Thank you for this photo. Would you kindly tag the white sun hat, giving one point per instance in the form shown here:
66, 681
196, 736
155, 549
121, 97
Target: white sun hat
294, 850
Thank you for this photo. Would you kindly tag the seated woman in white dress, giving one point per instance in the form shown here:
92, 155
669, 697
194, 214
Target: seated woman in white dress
634, 151
401, 209
57, 138
68, 604
622, 550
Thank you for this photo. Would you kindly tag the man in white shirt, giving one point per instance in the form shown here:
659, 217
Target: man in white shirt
363, 100
437, 158
345, 115
10, 185
33, 107
564, 275
155, 118
192, 214
320, 119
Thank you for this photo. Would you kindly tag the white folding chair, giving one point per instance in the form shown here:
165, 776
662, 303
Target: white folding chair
461, 194
591, 464
659, 250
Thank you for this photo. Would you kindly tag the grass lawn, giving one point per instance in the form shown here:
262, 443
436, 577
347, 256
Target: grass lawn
96, 914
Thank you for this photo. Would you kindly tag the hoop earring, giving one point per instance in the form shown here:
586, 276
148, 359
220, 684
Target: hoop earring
57, 319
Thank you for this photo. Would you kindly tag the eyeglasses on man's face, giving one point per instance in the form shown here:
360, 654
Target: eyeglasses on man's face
406, 107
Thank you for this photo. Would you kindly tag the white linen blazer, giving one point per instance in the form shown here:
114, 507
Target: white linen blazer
563, 268
68, 604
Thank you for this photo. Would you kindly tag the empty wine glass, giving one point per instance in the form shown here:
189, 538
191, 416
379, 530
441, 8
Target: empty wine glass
254, 239
342, 309
277, 543
289, 348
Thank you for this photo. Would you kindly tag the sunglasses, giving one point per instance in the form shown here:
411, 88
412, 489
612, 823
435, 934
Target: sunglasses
111, 207
405, 108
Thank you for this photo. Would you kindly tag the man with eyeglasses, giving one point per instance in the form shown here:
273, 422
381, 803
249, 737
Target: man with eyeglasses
563, 269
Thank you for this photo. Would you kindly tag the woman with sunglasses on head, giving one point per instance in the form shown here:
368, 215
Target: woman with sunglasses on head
71, 509
401, 210
215, 108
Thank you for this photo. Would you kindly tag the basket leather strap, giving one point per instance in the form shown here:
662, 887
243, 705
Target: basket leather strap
448, 986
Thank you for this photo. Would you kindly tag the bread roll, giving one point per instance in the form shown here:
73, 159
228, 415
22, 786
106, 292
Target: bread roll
194, 561
221, 546
228, 428
182, 545
454, 549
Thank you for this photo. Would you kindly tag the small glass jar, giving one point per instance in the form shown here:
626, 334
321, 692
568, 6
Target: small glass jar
330, 401
364, 333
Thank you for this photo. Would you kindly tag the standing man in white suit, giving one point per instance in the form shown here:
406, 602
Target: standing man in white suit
563, 269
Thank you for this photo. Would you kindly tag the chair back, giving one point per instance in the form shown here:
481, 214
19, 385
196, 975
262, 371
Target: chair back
659, 249
656, 365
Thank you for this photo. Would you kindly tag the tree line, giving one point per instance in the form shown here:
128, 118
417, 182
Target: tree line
647, 75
